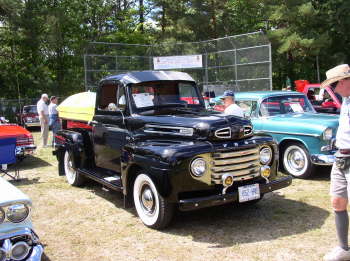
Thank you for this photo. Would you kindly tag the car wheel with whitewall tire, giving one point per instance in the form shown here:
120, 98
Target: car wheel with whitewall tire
153, 210
72, 176
296, 161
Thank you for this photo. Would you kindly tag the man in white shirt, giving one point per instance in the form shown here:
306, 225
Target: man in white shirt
339, 79
43, 111
229, 103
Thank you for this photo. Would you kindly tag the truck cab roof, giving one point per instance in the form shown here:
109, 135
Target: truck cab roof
149, 76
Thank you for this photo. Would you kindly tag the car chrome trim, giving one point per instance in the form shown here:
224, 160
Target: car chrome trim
20, 232
182, 130
224, 133
322, 159
36, 253
288, 133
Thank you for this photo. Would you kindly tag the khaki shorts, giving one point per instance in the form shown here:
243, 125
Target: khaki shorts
340, 182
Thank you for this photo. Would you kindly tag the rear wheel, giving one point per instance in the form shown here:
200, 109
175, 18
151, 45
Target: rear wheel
154, 211
296, 161
72, 176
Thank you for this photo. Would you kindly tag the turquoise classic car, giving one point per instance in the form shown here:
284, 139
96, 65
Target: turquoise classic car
305, 138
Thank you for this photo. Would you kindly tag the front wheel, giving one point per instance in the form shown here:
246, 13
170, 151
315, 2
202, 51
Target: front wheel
72, 176
154, 211
296, 161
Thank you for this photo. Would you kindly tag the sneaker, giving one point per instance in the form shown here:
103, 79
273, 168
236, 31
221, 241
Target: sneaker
337, 254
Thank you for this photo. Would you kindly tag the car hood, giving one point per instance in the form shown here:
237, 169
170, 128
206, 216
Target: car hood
204, 124
300, 122
9, 194
12, 130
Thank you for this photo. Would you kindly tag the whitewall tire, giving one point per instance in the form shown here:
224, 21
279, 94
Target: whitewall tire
72, 176
153, 210
296, 161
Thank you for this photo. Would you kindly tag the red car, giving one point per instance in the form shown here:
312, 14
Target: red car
24, 139
28, 117
322, 99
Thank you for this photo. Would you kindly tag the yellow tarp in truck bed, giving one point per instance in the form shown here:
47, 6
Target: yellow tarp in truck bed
80, 107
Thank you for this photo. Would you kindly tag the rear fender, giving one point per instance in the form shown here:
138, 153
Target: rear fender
70, 141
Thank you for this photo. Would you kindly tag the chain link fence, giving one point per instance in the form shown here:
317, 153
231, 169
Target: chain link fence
10, 108
240, 62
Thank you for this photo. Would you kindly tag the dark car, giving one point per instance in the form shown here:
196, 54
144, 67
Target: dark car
151, 137
29, 116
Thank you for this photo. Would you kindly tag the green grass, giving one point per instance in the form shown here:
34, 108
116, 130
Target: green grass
295, 223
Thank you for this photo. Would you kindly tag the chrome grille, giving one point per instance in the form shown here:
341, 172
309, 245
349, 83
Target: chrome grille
248, 130
242, 164
224, 133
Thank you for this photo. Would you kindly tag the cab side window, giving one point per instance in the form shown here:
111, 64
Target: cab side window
121, 101
108, 98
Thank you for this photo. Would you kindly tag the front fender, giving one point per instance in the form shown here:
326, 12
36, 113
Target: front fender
160, 160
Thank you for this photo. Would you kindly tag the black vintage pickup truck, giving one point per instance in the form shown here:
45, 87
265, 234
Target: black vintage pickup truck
152, 138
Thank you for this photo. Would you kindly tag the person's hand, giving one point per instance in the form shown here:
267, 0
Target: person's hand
46, 121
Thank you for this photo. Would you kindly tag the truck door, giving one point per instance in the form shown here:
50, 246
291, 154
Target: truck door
109, 129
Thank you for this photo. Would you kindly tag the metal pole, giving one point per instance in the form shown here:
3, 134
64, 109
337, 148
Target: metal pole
236, 74
318, 69
206, 70
270, 67
85, 77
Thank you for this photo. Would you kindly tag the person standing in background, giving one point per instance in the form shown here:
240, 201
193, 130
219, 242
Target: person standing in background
231, 108
43, 111
54, 122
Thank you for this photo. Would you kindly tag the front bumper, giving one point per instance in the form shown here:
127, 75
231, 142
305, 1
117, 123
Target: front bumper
36, 249
215, 200
27, 149
37, 252
322, 159
32, 124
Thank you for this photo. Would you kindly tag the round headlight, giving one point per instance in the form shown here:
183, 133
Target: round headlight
17, 213
265, 155
328, 134
2, 217
20, 250
198, 167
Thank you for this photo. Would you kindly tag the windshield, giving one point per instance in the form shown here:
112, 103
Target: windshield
165, 94
285, 104
29, 109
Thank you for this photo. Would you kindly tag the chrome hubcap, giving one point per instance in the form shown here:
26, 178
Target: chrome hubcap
70, 172
147, 200
297, 160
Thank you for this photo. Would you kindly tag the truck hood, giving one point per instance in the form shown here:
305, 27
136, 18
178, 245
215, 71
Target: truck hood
9, 194
302, 122
202, 125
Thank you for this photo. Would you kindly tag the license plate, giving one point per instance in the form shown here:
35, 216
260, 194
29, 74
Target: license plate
248, 192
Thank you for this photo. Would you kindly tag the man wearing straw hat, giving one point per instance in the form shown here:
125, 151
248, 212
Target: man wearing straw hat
339, 79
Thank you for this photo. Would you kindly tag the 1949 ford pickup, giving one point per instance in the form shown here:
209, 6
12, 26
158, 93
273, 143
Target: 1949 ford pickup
151, 137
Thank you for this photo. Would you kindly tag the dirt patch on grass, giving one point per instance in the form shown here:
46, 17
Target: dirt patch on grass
89, 223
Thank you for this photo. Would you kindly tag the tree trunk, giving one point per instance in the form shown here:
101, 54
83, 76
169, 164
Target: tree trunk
141, 13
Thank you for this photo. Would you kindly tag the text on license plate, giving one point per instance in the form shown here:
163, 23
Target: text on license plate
248, 192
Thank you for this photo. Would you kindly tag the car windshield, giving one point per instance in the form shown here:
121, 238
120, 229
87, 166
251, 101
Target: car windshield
165, 94
30, 109
285, 104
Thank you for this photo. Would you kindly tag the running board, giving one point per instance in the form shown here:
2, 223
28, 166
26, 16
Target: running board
112, 182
